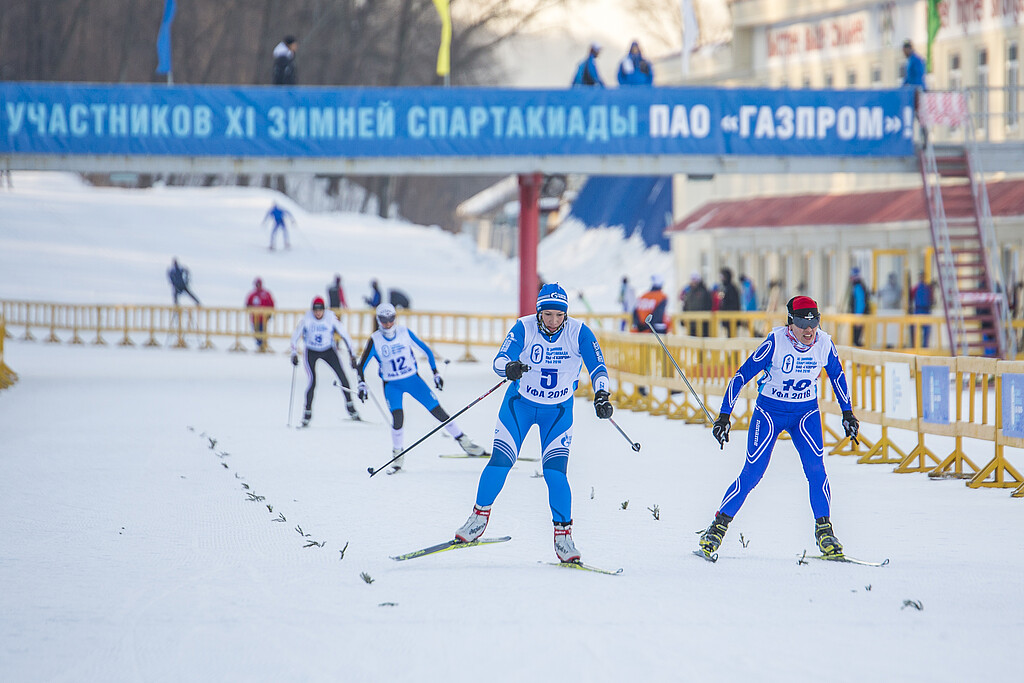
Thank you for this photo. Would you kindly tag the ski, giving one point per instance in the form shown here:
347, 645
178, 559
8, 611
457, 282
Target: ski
713, 557
586, 568
849, 560
478, 457
448, 545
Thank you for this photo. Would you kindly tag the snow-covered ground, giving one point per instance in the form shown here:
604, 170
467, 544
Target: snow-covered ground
158, 516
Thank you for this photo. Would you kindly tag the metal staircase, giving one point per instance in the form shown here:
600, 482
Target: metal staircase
966, 252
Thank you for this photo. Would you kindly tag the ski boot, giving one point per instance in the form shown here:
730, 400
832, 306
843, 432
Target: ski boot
828, 544
306, 416
712, 537
396, 466
353, 413
470, 447
565, 549
475, 525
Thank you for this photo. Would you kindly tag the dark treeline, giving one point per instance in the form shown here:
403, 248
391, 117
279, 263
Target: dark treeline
224, 42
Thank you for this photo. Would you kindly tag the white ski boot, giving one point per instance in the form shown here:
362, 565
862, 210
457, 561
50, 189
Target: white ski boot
470, 447
564, 547
396, 466
475, 525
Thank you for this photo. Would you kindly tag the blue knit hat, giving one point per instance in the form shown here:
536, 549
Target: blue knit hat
552, 298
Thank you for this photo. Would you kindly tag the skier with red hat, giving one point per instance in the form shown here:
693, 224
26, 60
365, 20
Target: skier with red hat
790, 360
316, 329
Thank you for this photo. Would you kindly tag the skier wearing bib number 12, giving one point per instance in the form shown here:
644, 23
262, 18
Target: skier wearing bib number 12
393, 346
543, 356
790, 359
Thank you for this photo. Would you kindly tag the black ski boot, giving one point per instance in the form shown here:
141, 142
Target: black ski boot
713, 535
306, 415
828, 544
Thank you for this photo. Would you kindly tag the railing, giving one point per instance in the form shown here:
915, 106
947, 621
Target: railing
205, 327
7, 376
880, 385
996, 113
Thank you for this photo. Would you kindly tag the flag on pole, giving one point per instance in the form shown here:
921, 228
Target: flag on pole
934, 24
163, 39
444, 53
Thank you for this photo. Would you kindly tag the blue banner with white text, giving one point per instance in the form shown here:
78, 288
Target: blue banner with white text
73, 118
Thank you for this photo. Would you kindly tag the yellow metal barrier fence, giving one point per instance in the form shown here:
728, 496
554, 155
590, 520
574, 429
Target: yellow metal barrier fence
7, 376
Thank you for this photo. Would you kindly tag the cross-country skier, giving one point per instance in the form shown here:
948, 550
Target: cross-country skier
543, 356
790, 359
393, 346
279, 216
316, 329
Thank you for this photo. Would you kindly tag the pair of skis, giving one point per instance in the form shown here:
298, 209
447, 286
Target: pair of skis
453, 545
713, 557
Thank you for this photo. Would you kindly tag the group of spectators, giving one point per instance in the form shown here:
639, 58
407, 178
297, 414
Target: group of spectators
633, 69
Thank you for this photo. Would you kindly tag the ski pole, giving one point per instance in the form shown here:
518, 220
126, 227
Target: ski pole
679, 369
380, 408
291, 395
634, 444
424, 437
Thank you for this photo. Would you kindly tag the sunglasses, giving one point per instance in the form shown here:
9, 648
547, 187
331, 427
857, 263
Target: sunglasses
807, 323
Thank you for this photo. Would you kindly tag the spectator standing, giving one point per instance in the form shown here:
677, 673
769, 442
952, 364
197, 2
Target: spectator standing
284, 61
259, 298
892, 293
652, 303
634, 69
179, 278
922, 299
375, 299
748, 295
586, 72
280, 217
399, 299
913, 75
858, 304
336, 293
697, 299
627, 298
730, 298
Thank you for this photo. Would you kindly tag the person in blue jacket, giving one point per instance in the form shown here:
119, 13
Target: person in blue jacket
914, 72
634, 69
586, 72
279, 216
542, 355
789, 362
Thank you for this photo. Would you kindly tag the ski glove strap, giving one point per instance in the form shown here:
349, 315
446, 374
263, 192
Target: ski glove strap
602, 406
438, 381
361, 392
295, 359
721, 430
851, 425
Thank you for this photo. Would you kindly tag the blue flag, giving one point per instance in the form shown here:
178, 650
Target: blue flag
163, 39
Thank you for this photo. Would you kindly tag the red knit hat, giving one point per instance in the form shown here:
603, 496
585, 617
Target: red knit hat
318, 302
803, 308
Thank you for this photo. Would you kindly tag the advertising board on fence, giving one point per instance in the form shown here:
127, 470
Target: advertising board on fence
935, 394
900, 397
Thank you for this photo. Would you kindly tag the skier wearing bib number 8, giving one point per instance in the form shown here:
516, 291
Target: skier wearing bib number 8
316, 330
790, 360
393, 346
543, 356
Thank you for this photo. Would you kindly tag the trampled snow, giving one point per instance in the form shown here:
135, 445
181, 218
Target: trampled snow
161, 522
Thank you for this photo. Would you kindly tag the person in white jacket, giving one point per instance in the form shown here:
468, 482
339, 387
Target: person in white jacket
316, 330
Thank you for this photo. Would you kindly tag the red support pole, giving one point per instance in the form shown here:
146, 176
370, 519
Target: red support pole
529, 236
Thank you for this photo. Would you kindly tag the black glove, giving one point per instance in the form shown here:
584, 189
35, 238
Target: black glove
361, 392
851, 425
515, 370
355, 363
721, 430
602, 406
438, 381
295, 359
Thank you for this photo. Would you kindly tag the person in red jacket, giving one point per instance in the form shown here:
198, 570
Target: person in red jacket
259, 298
653, 303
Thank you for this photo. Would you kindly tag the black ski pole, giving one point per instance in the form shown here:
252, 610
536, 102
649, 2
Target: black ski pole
679, 370
344, 389
635, 445
291, 395
432, 431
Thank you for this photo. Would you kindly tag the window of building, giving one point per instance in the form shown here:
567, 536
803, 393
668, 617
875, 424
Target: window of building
956, 77
806, 82
876, 75
982, 89
828, 79
851, 78
1012, 85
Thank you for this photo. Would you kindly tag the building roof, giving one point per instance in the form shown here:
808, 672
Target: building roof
1006, 198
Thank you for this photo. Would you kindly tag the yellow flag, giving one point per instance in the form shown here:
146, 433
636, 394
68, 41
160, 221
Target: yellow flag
444, 53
